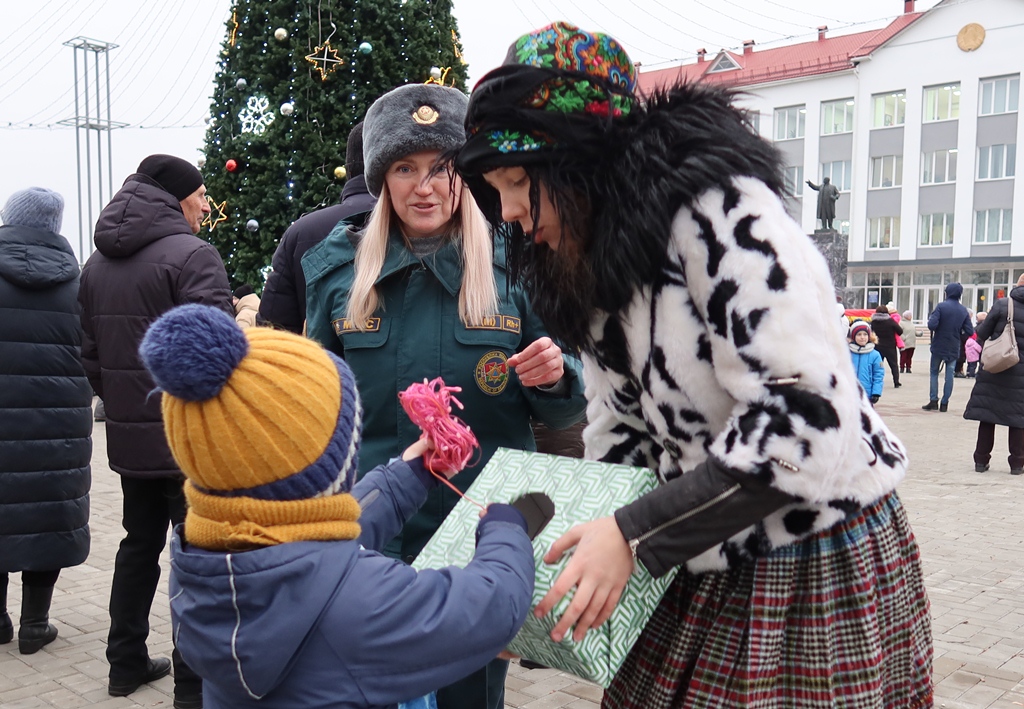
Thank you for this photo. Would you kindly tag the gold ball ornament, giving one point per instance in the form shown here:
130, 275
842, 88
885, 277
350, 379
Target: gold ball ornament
280, 34
340, 172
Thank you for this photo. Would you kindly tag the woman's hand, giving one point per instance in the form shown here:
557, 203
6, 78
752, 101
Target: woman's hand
599, 569
540, 364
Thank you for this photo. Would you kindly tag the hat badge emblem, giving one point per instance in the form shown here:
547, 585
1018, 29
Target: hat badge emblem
425, 115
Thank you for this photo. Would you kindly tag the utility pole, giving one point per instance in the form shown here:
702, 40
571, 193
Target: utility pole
91, 122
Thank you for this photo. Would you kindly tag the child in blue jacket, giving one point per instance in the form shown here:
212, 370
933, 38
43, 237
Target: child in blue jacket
278, 595
866, 360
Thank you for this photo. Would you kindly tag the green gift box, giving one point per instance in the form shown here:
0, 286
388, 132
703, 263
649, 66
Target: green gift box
581, 491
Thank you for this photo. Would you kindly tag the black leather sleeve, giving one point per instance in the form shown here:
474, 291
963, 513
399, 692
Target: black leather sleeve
694, 512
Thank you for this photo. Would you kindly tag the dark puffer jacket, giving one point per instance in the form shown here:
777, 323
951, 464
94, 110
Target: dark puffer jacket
950, 324
147, 261
999, 398
45, 414
284, 298
886, 329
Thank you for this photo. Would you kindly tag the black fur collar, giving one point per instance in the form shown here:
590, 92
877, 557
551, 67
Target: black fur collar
683, 142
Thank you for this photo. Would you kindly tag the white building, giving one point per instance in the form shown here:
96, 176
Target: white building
918, 126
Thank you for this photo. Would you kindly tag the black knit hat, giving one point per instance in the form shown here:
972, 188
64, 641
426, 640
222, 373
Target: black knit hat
354, 152
178, 177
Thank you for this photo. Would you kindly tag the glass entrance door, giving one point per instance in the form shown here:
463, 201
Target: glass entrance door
926, 298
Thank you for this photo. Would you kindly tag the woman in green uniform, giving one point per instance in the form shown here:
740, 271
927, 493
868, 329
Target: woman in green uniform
422, 291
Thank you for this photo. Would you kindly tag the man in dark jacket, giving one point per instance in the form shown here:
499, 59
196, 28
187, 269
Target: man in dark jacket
948, 322
284, 297
45, 415
147, 261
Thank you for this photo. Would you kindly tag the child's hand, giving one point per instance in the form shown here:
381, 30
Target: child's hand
418, 449
424, 448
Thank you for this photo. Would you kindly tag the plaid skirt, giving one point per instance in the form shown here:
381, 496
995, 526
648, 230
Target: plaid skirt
840, 619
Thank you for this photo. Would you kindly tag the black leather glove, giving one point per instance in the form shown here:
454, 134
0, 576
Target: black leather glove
874, 399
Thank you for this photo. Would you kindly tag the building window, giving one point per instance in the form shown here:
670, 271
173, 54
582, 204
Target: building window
755, 121
939, 167
942, 103
789, 122
794, 179
883, 232
887, 171
724, 63
937, 229
997, 161
1000, 95
889, 109
839, 172
992, 226
837, 117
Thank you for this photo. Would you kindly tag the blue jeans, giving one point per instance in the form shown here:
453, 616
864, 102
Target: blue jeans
947, 389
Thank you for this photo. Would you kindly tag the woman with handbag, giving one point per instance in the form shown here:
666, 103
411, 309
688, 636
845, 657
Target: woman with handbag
998, 395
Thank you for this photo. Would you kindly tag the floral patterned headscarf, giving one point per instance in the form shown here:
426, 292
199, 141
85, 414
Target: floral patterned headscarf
554, 82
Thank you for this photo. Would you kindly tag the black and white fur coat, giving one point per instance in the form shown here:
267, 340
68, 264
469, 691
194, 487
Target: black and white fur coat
732, 352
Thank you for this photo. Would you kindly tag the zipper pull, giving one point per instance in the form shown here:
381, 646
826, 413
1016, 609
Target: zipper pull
633, 544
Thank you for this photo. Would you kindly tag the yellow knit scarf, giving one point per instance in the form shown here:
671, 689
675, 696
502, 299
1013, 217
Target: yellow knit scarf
237, 523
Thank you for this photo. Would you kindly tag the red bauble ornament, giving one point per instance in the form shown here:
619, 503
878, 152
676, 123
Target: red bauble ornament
231, 165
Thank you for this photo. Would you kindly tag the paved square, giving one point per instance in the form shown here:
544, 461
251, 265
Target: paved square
970, 526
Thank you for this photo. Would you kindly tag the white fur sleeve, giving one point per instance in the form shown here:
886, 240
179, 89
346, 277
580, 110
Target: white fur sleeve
615, 431
764, 292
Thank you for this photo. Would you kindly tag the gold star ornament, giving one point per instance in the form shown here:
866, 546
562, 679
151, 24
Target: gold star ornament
211, 221
325, 58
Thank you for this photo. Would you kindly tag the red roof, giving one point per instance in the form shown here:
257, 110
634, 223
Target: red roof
821, 56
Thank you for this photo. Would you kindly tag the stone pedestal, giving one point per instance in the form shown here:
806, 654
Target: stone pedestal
834, 247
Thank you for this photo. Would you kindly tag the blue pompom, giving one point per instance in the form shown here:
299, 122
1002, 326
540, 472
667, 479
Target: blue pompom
192, 350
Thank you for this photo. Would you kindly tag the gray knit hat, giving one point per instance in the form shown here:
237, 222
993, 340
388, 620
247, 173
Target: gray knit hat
407, 120
35, 207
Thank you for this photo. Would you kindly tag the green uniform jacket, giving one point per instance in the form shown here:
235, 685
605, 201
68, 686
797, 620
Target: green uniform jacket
416, 334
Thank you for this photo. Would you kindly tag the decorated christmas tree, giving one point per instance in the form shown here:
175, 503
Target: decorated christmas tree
294, 77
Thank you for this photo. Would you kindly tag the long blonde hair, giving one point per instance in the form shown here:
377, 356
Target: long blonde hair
478, 296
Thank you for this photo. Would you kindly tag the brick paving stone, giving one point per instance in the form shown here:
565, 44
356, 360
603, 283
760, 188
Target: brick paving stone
967, 523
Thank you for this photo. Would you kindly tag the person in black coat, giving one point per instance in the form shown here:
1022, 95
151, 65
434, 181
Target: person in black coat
148, 260
284, 297
886, 329
45, 413
998, 399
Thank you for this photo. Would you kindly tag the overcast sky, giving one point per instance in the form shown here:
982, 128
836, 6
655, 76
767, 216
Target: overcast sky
163, 67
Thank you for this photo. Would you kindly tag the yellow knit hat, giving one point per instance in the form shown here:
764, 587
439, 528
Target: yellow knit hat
264, 424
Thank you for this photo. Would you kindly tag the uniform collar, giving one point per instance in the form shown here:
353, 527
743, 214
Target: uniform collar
445, 263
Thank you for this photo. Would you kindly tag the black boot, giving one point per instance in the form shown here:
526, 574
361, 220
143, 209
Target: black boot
932, 405
35, 630
943, 407
6, 626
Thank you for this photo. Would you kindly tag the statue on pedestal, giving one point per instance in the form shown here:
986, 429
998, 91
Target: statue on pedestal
828, 195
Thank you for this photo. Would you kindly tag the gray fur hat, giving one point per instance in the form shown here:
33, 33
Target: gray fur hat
407, 120
35, 207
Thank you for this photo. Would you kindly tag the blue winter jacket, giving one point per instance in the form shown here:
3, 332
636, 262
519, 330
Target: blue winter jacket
949, 322
337, 624
867, 363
